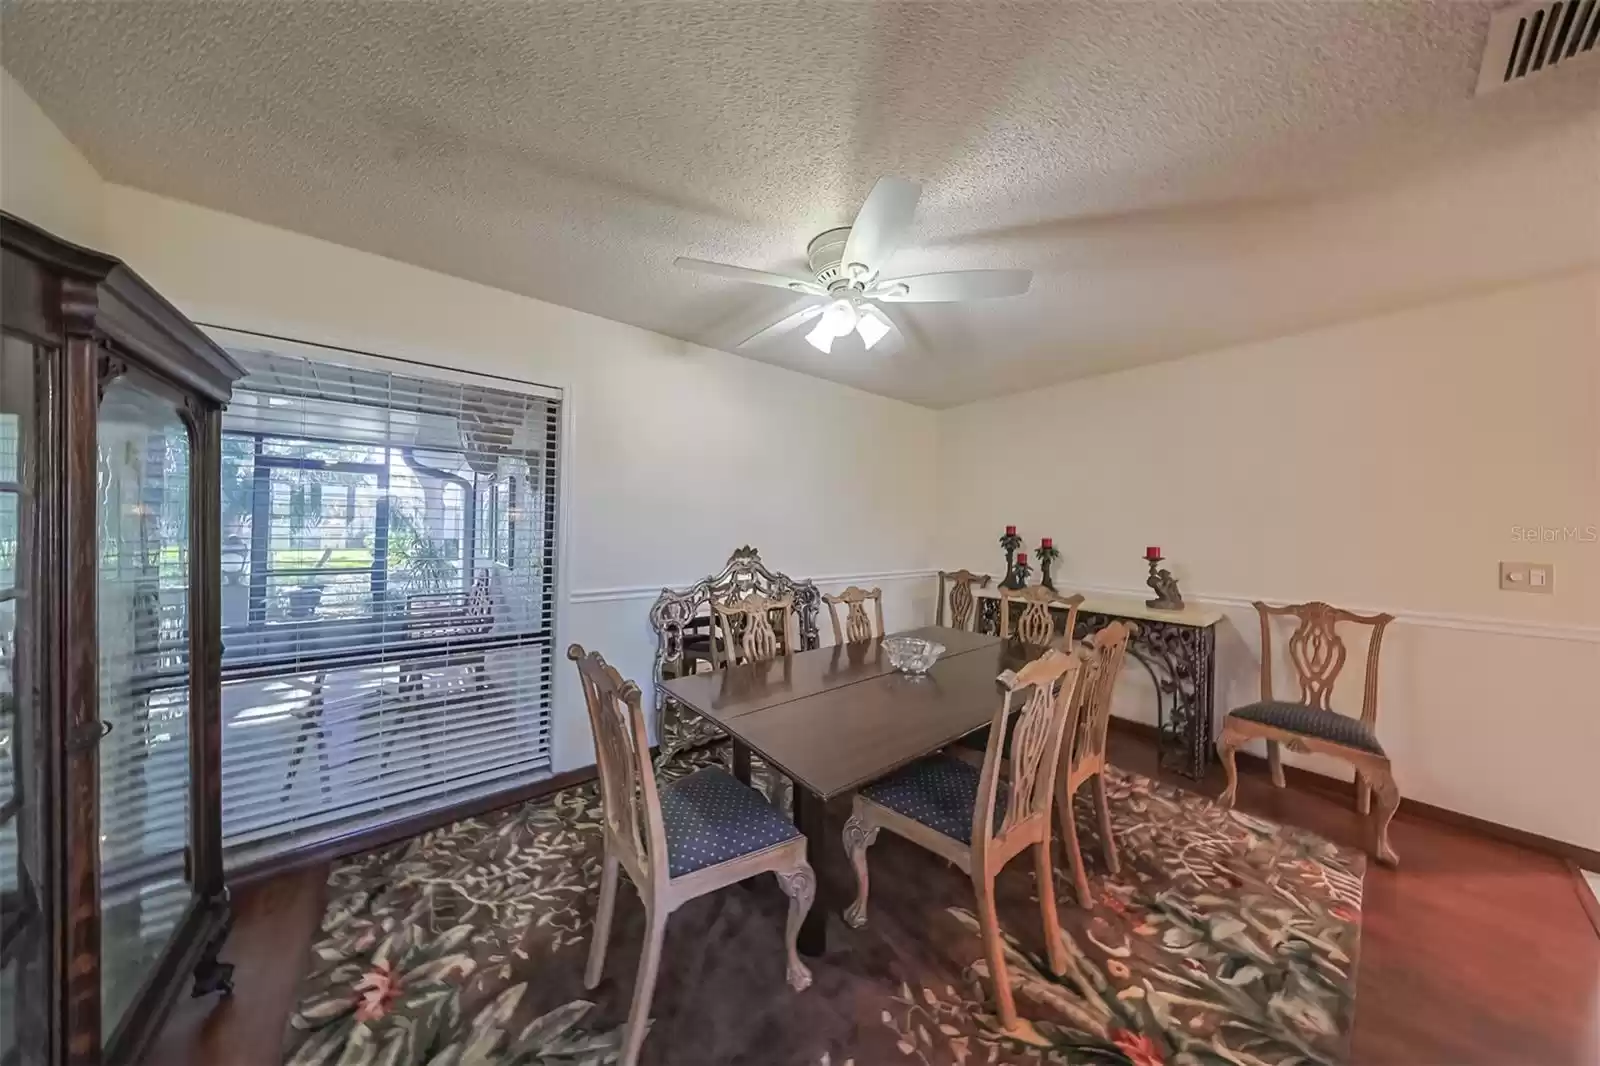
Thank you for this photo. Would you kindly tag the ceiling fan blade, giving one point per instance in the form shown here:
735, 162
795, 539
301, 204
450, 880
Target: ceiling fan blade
881, 224
759, 277
951, 286
783, 325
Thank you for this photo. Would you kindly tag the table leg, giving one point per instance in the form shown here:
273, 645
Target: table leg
1187, 656
1203, 663
741, 762
811, 818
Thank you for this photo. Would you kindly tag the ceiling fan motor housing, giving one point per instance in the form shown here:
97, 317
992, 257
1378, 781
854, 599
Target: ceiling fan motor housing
823, 255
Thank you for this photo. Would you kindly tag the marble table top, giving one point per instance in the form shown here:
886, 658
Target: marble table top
1130, 607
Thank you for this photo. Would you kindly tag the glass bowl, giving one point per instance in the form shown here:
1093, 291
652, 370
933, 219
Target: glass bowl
912, 655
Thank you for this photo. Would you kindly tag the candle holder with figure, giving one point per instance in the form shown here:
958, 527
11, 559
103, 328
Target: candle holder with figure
1168, 598
1047, 556
1020, 569
1010, 542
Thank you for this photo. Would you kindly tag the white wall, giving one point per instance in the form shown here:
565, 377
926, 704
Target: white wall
43, 178
676, 454
1380, 464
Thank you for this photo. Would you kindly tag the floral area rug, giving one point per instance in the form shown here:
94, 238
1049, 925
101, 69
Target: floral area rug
1225, 939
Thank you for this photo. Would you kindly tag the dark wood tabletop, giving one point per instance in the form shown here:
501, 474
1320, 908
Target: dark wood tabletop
741, 690
835, 718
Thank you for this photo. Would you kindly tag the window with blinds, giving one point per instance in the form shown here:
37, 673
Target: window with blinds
388, 596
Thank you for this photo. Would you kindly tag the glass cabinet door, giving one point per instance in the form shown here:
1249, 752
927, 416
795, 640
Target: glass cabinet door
143, 603
24, 889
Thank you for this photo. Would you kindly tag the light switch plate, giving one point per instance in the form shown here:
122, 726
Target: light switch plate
1527, 577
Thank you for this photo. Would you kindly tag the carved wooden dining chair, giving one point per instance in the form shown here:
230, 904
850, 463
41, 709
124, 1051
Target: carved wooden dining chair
857, 626
981, 818
677, 842
962, 602
1083, 752
743, 631
1036, 625
1310, 724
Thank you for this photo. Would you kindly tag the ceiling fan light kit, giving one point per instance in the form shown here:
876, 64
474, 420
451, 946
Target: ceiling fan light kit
873, 325
846, 315
847, 270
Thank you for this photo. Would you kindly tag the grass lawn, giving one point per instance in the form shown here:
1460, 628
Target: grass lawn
340, 559
172, 559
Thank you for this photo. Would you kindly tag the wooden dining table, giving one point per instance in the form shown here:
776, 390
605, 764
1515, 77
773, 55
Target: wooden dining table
837, 718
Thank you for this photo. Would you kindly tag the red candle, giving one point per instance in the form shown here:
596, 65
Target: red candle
1152, 553
1045, 543
1011, 531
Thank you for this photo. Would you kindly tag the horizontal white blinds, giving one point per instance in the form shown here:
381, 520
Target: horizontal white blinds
388, 596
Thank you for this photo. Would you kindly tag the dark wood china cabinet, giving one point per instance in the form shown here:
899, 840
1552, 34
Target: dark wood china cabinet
111, 889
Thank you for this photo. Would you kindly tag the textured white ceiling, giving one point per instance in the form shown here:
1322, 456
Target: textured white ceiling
1179, 175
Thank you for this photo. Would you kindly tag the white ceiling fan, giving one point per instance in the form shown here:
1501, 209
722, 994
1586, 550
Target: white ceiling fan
848, 263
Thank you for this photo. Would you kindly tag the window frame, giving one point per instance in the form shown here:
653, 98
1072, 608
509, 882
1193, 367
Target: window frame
555, 502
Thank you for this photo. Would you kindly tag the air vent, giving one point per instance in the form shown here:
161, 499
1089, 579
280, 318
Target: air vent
1527, 38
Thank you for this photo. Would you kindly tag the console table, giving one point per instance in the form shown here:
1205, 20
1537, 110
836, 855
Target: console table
1177, 648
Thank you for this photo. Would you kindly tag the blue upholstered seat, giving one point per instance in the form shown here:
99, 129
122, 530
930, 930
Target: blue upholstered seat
1312, 722
939, 791
710, 817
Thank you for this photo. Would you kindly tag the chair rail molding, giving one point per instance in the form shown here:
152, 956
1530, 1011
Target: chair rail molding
1573, 631
650, 592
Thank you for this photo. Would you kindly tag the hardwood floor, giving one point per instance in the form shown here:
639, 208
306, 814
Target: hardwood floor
273, 924
1474, 951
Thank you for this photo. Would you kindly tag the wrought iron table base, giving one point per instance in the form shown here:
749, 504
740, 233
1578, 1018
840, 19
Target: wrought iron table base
1181, 662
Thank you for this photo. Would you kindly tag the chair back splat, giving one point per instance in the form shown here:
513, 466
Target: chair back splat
743, 630
1318, 654
1083, 751
1085, 746
1035, 624
1037, 706
628, 797
857, 625
960, 598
